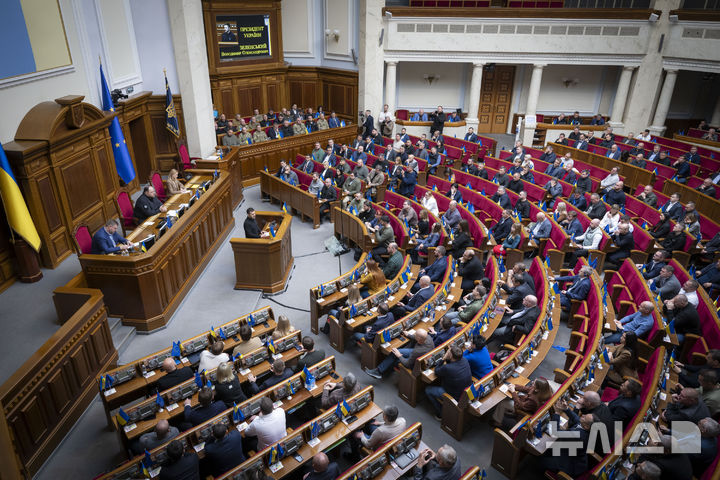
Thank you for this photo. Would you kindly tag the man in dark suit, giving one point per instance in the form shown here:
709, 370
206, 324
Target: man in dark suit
384, 319
596, 209
307, 165
470, 268
652, 269
279, 373
275, 131
624, 242
685, 406
436, 270
455, 376
148, 204
502, 228
518, 292
502, 198
173, 375
582, 143
692, 156
624, 407
470, 136
577, 200
518, 150
206, 410
309, 356
572, 465
224, 450
180, 464
107, 240
673, 208
415, 300
368, 124
520, 320
438, 118
251, 227
549, 155
580, 286
322, 469
684, 316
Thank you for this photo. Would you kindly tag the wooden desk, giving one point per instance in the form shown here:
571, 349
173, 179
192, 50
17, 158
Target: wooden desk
264, 263
145, 288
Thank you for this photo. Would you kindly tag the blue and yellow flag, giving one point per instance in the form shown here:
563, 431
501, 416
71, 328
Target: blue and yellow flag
123, 163
342, 409
16, 210
284, 208
237, 414
171, 120
122, 417
271, 346
147, 464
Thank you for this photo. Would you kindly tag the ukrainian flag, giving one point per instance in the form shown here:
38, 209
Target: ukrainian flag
343, 409
16, 211
122, 417
123, 163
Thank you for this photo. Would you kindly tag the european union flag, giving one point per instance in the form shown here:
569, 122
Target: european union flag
691, 271
176, 349
106, 382
159, 400
221, 333
353, 310
168, 222
307, 376
549, 323
539, 430
314, 429
123, 163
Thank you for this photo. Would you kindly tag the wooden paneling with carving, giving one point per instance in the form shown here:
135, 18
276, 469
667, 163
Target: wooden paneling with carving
43, 399
62, 160
7, 255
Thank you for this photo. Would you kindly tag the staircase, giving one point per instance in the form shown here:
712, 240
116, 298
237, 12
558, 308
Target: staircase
122, 335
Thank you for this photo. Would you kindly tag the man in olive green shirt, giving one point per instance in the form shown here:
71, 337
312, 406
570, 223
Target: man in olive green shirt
709, 390
322, 124
394, 263
356, 204
473, 303
318, 153
231, 139
351, 186
259, 135
299, 127
244, 137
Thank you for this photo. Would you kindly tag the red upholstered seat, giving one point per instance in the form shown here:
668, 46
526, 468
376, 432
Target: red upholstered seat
83, 239
402, 114
157, 183
125, 207
185, 158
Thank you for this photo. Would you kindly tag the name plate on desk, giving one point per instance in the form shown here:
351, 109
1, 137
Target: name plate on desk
503, 388
171, 407
428, 372
149, 374
275, 467
476, 404
199, 447
320, 300
313, 442
277, 404
130, 428
109, 392
242, 426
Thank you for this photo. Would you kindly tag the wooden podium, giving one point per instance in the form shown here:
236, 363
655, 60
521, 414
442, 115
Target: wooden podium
264, 263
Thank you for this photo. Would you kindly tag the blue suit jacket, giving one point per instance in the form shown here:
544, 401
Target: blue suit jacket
422, 296
544, 230
575, 228
471, 137
437, 269
225, 454
381, 323
651, 271
579, 290
104, 243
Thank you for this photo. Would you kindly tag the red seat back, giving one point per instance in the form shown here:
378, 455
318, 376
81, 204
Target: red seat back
184, 157
83, 239
126, 209
157, 183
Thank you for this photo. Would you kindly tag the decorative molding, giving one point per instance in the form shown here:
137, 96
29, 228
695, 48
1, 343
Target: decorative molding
350, 33
115, 80
35, 76
515, 58
673, 63
84, 40
310, 52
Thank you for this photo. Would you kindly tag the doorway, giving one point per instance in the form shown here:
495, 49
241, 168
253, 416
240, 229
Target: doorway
495, 97
140, 150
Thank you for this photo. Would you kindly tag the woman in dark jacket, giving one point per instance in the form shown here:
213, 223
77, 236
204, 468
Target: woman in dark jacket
462, 239
662, 228
227, 386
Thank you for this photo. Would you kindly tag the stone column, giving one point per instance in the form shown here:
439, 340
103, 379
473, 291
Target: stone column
715, 120
390, 84
371, 58
474, 103
533, 96
663, 105
618, 110
188, 36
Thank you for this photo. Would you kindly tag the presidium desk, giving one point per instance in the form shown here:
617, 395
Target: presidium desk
265, 263
145, 288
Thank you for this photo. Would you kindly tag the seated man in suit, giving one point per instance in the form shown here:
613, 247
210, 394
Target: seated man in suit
582, 143
384, 319
652, 269
624, 407
666, 283
673, 208
470, 136
310, 356
502, 198
148, 204
446, 331
107, 240
455, 376
406, 356
470, 268
685, 406
279, 373
436, 270
173, 375
501, 229
518, 291
518, 320
322, 468
579, 289
206, 409
522, 206
161, 434
414, 301
224, 450
180, 464
542, 227
624, 241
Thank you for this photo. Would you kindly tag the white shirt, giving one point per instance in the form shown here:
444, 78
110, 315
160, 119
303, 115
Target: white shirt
610, 220
431, 205
567, 162
268, 428
208, 361
691, 296
645, 138
610, 180
397, 144
386, 116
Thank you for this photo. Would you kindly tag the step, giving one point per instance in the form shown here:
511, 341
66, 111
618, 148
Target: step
122, 335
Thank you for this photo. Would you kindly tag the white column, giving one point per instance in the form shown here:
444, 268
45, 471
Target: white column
390, 84
533, 96
663, 105
371, 58
188, 35
715, 120
618, 110
474, 102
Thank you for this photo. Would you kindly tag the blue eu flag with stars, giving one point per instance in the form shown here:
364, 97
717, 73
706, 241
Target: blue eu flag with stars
123, 163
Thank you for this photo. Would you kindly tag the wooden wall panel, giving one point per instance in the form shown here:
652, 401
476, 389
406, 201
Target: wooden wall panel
42, 400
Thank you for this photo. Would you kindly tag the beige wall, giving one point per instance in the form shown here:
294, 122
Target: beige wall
413, 91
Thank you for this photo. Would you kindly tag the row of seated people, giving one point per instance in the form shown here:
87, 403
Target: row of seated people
224, 125
223, 448
576, 119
